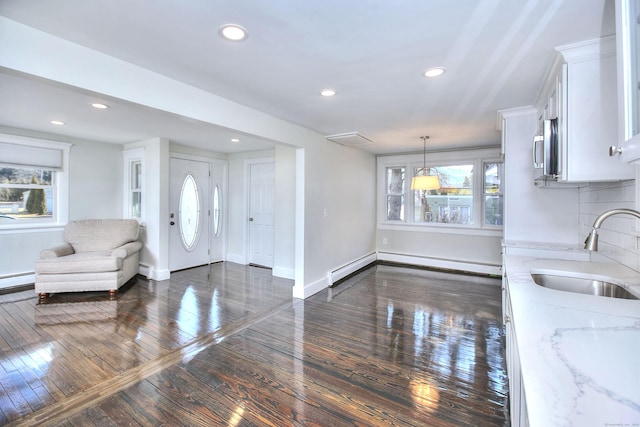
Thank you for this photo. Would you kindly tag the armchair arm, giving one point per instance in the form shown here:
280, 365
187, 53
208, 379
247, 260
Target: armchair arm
58, 251
127, 249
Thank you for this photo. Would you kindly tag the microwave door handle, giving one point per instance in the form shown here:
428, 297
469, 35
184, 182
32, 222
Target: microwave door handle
537, 139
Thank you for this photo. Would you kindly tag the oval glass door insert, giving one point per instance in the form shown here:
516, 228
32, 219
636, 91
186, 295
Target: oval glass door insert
216, 210
189, 212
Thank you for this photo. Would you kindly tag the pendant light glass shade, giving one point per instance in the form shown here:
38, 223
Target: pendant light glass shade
425, 182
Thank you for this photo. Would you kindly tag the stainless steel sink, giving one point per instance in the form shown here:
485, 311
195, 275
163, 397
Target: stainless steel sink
582, 286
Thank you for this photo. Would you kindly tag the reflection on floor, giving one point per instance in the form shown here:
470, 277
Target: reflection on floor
226, 345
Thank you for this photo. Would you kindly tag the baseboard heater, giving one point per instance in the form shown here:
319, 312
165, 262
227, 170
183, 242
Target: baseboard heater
442, 263
16, 280
350, 268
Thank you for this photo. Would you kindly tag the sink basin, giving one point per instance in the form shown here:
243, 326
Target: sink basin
582, 286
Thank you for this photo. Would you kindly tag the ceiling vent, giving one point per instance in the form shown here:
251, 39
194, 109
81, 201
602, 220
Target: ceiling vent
349, 139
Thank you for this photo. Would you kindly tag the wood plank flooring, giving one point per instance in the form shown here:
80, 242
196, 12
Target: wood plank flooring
226, 345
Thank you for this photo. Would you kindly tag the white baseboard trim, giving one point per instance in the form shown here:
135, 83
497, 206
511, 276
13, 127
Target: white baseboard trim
236, 258
350, 268
20, 279
306, 291
158, 275
143, 270
447, 264
284, 272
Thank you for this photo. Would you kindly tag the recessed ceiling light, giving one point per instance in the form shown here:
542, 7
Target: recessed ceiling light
57, 122
233, 32
235, 140
327, 92
434, 72
99, 106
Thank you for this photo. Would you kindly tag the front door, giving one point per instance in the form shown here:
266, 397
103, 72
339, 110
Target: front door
188, 214
261, 207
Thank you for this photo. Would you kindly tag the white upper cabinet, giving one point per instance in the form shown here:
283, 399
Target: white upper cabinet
581, 92
628, 45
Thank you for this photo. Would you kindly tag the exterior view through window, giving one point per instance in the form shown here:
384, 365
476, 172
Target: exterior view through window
26, 194
470, 193
452, 203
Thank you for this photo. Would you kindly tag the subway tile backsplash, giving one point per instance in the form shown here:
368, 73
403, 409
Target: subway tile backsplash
620, 234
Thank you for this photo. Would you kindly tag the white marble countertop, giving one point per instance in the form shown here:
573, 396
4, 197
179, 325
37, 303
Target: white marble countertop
579, 354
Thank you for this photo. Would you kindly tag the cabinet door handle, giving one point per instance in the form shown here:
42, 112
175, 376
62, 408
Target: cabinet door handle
536, 140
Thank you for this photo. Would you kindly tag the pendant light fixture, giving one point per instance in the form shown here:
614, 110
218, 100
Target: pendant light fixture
424, 181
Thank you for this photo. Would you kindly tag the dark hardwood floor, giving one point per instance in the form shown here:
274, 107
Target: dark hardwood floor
227, 345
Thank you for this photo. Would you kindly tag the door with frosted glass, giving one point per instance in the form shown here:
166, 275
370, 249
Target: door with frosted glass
188, 214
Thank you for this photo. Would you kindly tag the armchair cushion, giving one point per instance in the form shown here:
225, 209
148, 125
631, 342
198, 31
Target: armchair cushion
58, 251
84, 262
100, 234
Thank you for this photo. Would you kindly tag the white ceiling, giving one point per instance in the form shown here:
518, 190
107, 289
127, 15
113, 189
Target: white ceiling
373, 52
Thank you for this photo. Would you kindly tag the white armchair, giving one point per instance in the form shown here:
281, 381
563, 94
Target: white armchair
98, 255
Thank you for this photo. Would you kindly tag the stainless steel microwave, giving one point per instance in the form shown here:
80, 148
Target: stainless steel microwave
546, 152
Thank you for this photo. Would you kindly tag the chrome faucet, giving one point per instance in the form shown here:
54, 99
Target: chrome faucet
591, 244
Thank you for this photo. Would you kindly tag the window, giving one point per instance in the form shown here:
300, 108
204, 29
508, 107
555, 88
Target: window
136, 189
470, 194
26, 193
493, 193
395, 193
452, 203
134, 184
33, 182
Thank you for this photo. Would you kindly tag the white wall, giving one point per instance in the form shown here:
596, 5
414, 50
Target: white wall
95, 181
618, 235
534, 214
285, 210
339, 208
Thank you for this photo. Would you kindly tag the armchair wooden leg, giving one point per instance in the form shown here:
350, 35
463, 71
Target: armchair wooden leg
42, 296
113, 293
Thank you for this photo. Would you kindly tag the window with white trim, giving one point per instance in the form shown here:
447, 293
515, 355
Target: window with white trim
133, 202
470, 193
33, 182
493, 189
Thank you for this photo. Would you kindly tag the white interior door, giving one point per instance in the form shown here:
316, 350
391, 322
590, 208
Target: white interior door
189, 214
261, 207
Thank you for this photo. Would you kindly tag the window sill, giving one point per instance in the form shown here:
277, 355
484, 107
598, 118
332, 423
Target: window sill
30, 228
442, 229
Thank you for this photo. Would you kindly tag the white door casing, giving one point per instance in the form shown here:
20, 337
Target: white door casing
189, 195
261, 212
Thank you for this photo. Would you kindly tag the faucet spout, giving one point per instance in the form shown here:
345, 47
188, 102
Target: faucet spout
591, 243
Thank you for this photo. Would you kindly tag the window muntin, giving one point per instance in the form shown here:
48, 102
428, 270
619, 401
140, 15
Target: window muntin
27, 195
452, 203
